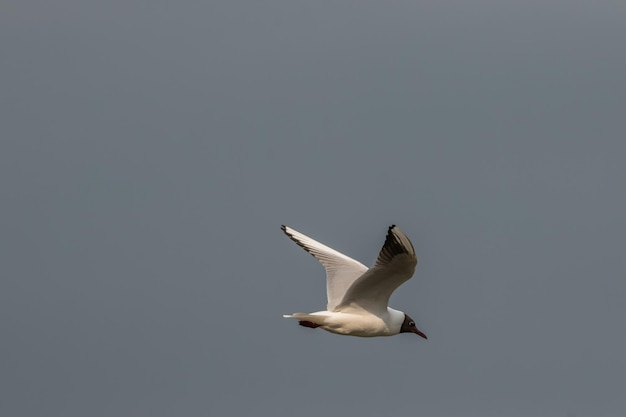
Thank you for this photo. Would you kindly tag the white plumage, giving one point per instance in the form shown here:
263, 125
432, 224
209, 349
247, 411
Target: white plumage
358, 296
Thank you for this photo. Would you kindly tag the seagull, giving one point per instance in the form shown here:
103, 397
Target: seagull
358, 296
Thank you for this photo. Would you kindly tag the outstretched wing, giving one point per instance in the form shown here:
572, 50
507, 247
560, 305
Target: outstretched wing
395, 264
341, 270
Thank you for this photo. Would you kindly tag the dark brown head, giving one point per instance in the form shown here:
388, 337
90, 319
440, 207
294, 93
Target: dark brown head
408, 326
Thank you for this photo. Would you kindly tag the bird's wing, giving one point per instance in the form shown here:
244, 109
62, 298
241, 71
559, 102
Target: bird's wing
341, 270
395, 264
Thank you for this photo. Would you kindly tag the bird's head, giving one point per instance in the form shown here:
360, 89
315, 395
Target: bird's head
408, 326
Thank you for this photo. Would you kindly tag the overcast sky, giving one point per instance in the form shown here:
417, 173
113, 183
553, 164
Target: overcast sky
150, 151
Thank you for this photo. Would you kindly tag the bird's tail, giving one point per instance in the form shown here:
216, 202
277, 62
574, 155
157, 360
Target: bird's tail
307, 320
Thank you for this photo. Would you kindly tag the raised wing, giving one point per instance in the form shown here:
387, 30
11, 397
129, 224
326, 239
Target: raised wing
341, 270
395, 264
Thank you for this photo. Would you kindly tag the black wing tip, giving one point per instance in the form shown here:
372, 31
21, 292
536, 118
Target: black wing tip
296, 239
284, 229
289, 234
396, 243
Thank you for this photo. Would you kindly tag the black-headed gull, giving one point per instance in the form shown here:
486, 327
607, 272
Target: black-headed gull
358, 296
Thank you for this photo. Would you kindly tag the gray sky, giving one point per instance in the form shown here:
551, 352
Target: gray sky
150, 151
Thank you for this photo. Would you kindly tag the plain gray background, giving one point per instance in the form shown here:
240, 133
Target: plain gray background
150, 150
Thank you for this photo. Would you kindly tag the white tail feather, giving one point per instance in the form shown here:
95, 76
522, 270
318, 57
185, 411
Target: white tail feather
314, 318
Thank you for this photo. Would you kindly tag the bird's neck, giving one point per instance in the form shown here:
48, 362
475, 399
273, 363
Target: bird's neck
396, 318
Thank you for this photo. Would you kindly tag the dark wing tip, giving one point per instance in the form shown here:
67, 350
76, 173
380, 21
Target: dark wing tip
396, 243
296, 240
291, 236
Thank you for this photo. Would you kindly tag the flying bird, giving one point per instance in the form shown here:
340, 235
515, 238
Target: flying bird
358, 297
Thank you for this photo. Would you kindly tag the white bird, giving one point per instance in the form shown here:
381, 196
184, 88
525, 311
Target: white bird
358, 296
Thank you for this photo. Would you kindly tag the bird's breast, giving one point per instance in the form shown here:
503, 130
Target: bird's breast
363, 325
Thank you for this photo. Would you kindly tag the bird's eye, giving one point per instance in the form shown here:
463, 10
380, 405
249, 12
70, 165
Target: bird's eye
411, 324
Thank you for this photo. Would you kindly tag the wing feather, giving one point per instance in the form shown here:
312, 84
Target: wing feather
341, 270
395, 265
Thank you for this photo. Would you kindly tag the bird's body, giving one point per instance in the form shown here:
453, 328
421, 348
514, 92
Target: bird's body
358, 296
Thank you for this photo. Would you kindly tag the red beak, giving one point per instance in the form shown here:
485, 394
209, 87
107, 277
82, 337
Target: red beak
419, 333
